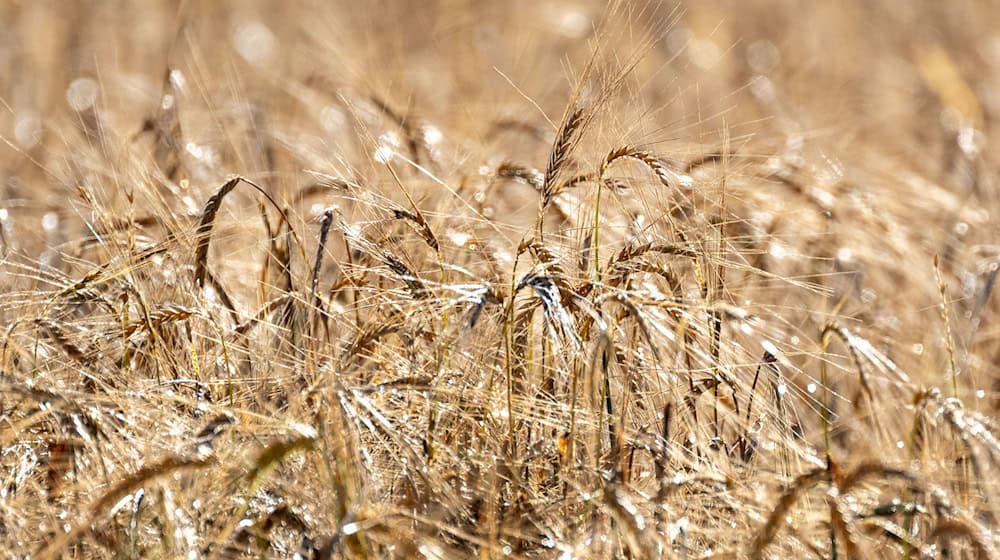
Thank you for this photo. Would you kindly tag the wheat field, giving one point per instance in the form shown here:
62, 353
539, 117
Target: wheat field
526, 279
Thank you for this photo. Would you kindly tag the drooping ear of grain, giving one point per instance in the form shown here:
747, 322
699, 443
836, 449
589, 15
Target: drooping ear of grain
421, 225
656, 164
948, 530
57, 334
527, 175
56, 546
776, 518
203, 235
324, 233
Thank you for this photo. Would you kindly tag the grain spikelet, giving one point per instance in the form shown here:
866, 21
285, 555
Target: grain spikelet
551, 297
204, 231
169, 313
527, 175
564, 143
420, 224
667, 176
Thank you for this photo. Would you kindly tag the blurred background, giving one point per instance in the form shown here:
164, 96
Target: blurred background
908, 76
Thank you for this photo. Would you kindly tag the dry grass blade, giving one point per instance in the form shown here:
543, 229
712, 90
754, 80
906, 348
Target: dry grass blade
4, 245
840, 524
527, 128
486, 297
223, 294
747, 443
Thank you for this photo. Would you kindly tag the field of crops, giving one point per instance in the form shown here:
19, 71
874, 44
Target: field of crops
528, 279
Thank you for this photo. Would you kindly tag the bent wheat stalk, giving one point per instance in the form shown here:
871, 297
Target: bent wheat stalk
204, 231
